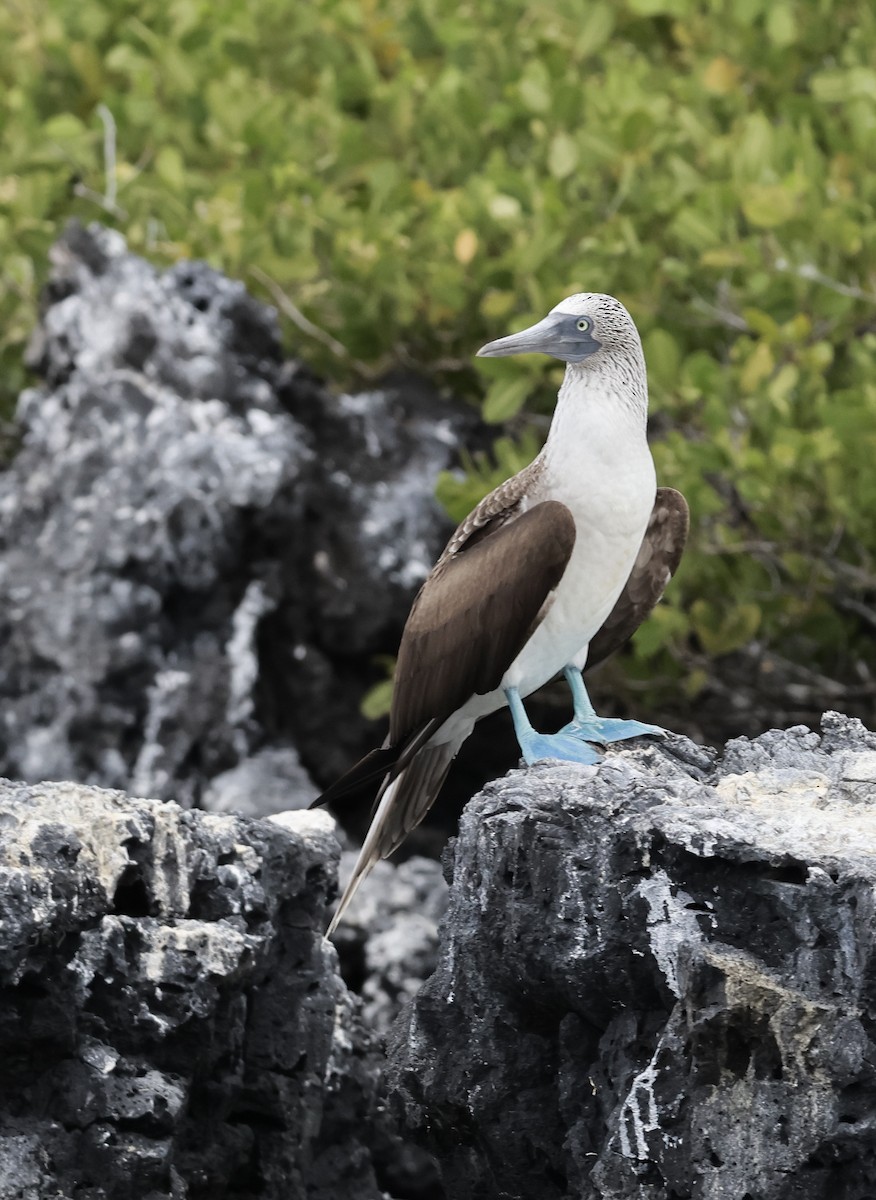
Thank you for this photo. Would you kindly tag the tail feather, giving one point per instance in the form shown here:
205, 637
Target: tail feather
402, 802
367, 772
377, 765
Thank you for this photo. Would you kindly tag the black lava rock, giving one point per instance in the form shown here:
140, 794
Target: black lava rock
171, 1021
656, 979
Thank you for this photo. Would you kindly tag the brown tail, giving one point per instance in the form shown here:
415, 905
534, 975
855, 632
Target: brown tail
376, 766
402, 802
365, 775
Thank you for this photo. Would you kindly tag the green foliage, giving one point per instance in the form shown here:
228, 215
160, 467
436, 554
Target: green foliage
420, 176
460, 492
377, 701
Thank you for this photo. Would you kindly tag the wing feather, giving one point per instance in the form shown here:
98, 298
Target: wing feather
497, 508
475, 613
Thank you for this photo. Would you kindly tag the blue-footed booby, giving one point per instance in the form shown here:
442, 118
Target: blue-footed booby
553, 570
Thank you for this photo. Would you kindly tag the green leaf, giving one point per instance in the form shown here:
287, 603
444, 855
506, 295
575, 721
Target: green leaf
64, 127
377, 701
769, 205
840, 86
505, 398
781, 25
535, 87
170, 169
663, 356
594, 26
654, 8
720, 631
562, 156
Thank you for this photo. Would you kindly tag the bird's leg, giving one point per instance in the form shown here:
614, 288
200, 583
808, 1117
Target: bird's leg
602, 730
536, 746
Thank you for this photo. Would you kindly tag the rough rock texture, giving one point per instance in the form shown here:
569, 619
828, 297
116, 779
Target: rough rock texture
202, 550
171, 1021
659, 979
388, 940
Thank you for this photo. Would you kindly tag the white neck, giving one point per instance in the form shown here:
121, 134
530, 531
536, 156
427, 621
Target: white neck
604, 410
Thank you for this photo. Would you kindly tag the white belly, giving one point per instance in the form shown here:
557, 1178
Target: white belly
597, 462
609, 534
611, 515
597, 572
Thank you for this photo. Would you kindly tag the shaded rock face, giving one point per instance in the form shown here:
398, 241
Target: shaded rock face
201, 550
171, 1021
664, 971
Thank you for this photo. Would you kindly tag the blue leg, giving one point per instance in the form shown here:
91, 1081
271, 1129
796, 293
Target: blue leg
602, 730
535, 746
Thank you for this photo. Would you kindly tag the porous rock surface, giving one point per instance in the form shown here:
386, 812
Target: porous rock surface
658, 978
172, 1023
202, 550
388, 941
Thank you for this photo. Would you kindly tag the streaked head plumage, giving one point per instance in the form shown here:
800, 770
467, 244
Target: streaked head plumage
587, 326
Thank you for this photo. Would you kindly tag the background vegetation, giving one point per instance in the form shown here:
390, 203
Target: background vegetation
408, 178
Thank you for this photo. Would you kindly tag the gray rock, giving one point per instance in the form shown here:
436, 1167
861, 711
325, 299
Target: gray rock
378, 523
388, 940
150, 462
172, 1023
193, 536
271, 781
663, 972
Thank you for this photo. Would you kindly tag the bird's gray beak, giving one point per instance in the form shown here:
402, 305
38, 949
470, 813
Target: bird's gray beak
544, 338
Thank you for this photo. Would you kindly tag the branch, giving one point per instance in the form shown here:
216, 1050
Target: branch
810, 272
107, 201
297, 317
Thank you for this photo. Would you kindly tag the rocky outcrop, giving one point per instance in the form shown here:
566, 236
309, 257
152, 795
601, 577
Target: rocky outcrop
657, 979
654, 979
172, 1023
202, 550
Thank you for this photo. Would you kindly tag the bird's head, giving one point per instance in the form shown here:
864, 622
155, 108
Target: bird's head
586, 326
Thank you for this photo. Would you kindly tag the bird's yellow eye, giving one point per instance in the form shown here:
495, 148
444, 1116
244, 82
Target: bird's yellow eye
583, 324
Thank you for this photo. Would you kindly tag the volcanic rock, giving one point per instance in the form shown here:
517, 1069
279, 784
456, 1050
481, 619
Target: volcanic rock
203, 552
171, 1021
656, 979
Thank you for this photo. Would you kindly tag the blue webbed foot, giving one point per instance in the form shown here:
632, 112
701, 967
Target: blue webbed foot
536, 746
604, 730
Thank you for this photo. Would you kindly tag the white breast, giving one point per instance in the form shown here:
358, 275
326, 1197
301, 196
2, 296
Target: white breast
598, 464
609, 488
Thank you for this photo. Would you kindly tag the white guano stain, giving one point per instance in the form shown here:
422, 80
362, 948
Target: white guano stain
671, 924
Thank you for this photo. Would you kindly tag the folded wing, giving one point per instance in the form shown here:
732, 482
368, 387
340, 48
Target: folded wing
470, 620
475, 613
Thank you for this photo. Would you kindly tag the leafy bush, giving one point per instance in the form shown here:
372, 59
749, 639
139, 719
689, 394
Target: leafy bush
416, 176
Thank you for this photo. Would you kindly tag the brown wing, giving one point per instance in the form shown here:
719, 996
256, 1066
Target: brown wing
497, 508
475, 613
656, 563
407, 732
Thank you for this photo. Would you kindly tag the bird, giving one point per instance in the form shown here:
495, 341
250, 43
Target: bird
552, 571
